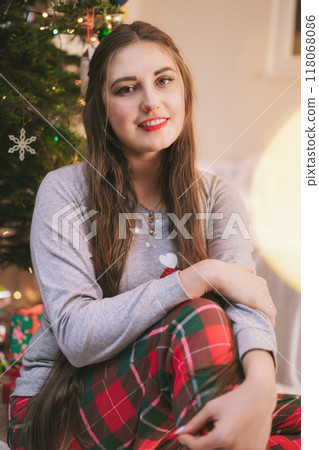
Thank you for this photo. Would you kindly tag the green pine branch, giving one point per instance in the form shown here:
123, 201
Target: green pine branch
37, 68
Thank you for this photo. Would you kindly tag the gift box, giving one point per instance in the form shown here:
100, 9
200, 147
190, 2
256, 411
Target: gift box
23, 325
5, 313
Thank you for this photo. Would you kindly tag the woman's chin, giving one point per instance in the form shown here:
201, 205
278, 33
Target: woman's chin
147, 149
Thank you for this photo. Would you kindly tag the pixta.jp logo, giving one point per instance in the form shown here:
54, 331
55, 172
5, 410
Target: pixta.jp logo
68, 225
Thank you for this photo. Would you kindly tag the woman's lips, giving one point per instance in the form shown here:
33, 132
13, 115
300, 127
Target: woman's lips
153, 124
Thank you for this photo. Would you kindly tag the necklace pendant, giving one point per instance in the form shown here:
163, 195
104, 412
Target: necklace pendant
151, 217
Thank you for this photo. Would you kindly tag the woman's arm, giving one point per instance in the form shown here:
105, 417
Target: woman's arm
252, 327
87, 327
229, 241
233, 282
242, 417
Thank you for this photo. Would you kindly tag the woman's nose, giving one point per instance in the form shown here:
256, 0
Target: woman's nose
150, 101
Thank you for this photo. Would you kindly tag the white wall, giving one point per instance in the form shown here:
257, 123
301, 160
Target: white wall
225, 44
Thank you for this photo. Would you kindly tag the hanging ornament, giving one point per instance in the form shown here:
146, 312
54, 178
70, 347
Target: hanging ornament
89, 24
87, 55
103, 31
118, 15
84, 69
22, 144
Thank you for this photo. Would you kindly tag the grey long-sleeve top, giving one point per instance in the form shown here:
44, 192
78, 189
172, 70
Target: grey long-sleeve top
89, 328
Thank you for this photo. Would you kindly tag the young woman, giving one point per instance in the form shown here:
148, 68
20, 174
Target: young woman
131, 344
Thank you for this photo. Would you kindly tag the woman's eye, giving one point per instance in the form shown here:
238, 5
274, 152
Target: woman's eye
125, 90
164, 80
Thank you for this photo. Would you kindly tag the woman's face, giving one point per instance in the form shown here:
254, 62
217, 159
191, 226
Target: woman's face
146, 104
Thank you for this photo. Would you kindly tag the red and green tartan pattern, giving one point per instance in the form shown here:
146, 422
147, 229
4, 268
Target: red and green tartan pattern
286, 423
138, 398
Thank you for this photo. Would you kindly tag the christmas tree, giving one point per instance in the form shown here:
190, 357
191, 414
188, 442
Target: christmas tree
40, 100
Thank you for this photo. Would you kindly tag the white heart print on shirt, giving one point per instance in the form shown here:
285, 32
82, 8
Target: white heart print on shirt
168, 260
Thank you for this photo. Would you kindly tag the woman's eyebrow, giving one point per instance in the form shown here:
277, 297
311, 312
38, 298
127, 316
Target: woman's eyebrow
164, 69
123, 79
132, 78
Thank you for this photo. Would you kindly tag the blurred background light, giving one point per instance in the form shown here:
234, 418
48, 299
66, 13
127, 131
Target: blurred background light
275, 200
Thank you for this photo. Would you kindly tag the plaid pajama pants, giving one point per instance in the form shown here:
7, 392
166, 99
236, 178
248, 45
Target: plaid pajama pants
137, 399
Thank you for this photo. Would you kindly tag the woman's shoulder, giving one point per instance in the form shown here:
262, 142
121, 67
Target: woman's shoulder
219, 193
67, 181
213, 185
69, 172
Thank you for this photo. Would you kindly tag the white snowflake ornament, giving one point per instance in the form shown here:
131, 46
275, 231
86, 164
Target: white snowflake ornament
22, 144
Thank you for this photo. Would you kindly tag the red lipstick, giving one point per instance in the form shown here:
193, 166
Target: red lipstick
153, 124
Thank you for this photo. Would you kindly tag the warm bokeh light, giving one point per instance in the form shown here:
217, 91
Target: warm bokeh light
17, 295
276, 203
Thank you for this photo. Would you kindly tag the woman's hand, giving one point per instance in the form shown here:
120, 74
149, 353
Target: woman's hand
242, 417
233, 281
241, 285
239, 421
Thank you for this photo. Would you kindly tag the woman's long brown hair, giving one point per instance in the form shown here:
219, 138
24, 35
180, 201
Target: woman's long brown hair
52, 413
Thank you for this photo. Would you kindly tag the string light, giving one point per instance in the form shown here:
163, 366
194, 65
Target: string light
4, 97
55, 31
5, 233
108, 17
30, 270
42, 28
53, 88
70, 31
17, 295
80, 19
93, 39
45, 14
56, 138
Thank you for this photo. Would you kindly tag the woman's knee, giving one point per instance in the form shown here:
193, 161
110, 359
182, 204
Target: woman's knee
208, 311
201, 327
